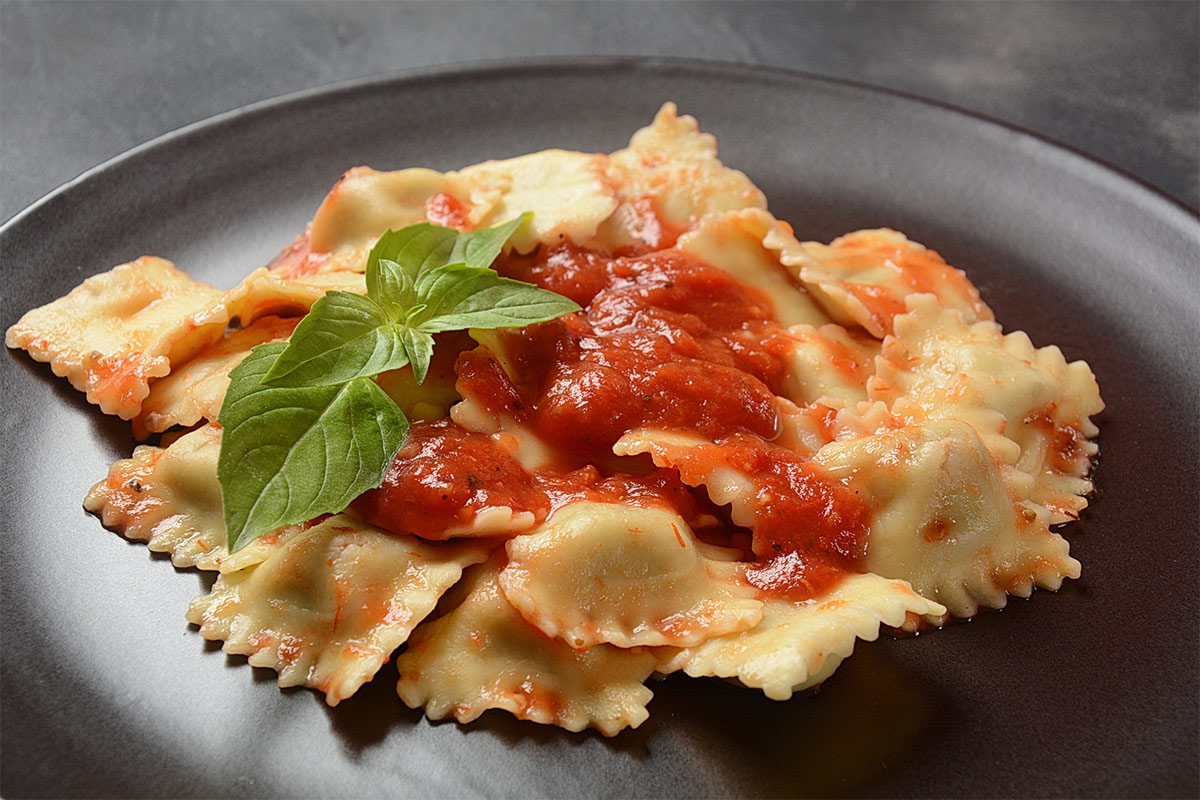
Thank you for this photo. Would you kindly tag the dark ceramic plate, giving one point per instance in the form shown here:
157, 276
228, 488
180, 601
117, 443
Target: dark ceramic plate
1090, 691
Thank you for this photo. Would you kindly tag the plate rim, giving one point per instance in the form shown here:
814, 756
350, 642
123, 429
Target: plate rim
509, 67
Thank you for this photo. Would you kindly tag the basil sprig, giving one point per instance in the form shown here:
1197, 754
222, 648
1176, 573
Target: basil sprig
305, 429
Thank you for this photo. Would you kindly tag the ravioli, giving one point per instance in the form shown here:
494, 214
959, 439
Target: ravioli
948, 519
669, 178
627, 576
865, 276
116, 331
483, 655
168, 498
327, 607
951, 368
797, 645
744, 454
194, 391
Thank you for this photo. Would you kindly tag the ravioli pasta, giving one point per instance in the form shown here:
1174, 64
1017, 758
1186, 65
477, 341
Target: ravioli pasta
746, 453
602, 572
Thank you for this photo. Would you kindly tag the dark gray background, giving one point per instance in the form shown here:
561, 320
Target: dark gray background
81, 82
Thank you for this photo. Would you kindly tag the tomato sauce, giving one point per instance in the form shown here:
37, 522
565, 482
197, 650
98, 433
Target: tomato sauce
298, 260
1065, 442
664, 342
447, 210
442, 476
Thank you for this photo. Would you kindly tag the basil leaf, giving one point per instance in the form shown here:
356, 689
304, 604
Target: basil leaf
415, 248
344, 336
419, 345
291, 454
481, 248
391, 286
458, 296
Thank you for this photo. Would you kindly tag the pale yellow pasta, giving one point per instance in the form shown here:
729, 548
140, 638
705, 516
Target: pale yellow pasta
806, 429
569, 194
116, 331
803, 430
168, 498
328, 606
516, 438
733, 241
193, 392
798, 645
424, 402
829, 362
673, 167
950, 368
628, 576
947, 519
261, 294
700, 464
483, 655
362, 205
863, 277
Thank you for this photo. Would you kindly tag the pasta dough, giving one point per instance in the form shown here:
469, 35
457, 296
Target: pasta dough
946, 519
194, 391
115, 332
950, 368
327, 607
864, 277
483, 655
168, 498
627, 576
798, 645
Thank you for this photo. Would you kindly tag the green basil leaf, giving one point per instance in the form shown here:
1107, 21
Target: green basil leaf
393, 287
344, 336
291, 454
419, 345
414, 249
458, 296
481, 248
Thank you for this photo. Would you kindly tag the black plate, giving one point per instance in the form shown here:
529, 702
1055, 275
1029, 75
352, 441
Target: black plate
1091, 691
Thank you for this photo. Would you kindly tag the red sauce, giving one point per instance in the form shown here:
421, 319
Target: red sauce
441, 477
666, 342
444, 475
660, 488
1064, 442
801, 512
846, 362
795, 576
800, 508
298, 260
926, 271
881, 302
923, 271
447, 210
648, 225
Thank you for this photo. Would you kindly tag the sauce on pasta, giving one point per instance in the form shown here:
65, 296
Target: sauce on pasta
664, 342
